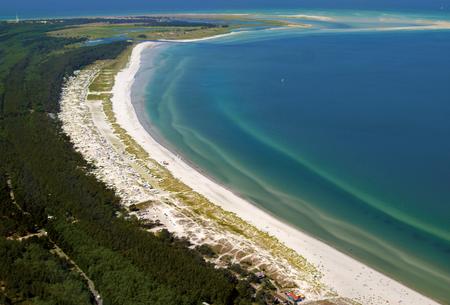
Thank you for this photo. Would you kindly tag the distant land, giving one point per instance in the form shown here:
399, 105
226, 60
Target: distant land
48, 8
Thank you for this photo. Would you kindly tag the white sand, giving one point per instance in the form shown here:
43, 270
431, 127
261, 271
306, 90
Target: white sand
92, 134
347, 276
309, 17
201, 39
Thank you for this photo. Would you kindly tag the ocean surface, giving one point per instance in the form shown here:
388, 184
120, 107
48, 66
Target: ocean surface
342, 130
52, 8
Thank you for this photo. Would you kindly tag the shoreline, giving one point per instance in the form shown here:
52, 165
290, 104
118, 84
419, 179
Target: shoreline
199, 39
344, 274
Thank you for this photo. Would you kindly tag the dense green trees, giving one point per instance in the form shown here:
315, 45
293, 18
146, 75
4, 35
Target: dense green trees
48, 178
13, 221
31, 272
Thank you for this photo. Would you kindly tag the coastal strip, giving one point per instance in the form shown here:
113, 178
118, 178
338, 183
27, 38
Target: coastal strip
104, 127
347, 276
163, 202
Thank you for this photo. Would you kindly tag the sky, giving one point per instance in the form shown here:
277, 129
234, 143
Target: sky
62, 7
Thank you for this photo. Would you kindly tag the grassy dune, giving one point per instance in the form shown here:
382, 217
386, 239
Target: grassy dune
200, 207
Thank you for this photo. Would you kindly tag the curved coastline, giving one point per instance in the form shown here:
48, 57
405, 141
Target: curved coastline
340, 271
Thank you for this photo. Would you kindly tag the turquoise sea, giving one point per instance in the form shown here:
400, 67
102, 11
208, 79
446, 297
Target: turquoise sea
342, 130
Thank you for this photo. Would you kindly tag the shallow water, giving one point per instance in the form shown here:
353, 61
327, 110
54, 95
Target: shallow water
343, 134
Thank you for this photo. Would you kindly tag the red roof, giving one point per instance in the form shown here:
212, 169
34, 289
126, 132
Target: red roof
294, 296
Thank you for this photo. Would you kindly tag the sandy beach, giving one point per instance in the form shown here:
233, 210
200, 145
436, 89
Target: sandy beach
201, 39
345, 275
325, 274
309, 17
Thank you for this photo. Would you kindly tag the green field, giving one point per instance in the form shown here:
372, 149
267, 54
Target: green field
138, 32
190, 28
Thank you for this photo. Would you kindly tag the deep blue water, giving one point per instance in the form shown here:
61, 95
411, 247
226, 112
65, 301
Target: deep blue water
53, 8
343, 134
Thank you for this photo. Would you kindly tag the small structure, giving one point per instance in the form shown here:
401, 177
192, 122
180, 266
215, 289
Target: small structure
289, 297
260, 275
295, 296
